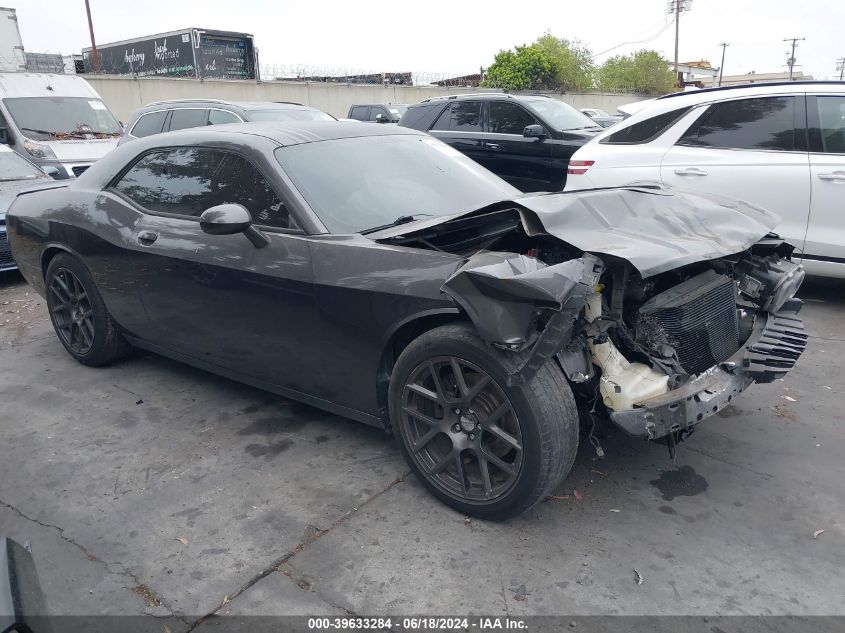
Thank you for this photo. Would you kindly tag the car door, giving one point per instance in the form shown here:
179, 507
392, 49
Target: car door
523, 162
460, 125
217, 298
824, 249
751, 149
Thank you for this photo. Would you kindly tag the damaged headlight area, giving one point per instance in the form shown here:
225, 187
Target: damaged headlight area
655, 355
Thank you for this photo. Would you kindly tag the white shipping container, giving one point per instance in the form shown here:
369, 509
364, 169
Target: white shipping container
12, 58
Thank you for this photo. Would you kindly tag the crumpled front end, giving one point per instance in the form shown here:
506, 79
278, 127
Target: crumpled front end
657, 355
659, 307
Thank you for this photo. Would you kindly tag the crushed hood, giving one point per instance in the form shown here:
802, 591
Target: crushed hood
655, 229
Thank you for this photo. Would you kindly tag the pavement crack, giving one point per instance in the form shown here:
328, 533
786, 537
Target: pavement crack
276, 565
122, 570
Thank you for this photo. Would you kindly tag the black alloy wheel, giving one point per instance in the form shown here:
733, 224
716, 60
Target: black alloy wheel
83, 324
484, 447
463, 430
71, 311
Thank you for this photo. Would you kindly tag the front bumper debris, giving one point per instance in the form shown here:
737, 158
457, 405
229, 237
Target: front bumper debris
771, 350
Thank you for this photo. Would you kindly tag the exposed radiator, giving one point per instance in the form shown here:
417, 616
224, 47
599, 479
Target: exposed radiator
698, 318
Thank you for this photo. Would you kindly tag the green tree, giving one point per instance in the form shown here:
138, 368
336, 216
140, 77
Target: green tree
575, 62
550, 63
644, 71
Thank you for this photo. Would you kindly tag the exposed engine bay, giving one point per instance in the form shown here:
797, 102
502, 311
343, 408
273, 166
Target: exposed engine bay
655, 352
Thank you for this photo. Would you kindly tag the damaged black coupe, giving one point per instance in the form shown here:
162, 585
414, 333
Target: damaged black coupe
379, 274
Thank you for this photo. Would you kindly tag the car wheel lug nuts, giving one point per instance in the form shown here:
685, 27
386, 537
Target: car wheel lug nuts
472, 436
457, 412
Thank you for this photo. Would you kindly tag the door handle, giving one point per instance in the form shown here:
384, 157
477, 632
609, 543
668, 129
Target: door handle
145, 238
493, 146
837, 176
691, 171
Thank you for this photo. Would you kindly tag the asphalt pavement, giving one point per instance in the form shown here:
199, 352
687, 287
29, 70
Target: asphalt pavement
156, 489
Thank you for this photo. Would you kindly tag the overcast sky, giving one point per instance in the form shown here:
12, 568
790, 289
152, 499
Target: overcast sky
456, 37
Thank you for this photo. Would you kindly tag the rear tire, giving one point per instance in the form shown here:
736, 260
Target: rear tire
481, 447
79, 316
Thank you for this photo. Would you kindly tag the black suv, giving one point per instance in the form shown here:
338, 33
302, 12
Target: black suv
377, 112
526, 140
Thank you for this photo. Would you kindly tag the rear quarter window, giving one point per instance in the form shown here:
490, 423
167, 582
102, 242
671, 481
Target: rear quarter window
149, 124
647, 130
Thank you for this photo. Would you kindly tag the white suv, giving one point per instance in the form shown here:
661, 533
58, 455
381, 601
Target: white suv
779, 146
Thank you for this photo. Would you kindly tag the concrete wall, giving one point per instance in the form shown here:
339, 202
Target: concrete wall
125, 94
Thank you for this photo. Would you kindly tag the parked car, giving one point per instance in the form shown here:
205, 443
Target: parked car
55, 121
602, 117
377, 112
168, 116
526, 140
778, 146
373, 271
16, 173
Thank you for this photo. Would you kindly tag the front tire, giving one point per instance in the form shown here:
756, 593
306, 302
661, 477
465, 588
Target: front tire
79, 316
481, 447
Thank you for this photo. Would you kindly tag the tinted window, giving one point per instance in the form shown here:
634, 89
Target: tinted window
646, 130
360, 113
832, 124
764, 123
460, 116
508, 118
149, 124
188, 181
358, 183
221, 117
187, 117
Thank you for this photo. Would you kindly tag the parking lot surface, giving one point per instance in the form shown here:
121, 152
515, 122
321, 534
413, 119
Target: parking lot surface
149, 487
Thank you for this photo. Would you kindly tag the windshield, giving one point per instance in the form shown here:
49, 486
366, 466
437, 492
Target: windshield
60, 118
396, 111
13, 167
559, 115
354, 184
289, 115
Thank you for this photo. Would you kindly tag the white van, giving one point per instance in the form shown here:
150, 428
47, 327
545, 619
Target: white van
59, 122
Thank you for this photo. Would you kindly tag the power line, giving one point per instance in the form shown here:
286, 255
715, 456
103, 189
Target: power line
666, 25
791, 61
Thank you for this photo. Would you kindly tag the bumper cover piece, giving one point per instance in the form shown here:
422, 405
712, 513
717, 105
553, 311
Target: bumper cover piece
772, 349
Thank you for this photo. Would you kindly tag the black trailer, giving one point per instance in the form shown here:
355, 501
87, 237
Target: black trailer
194, 53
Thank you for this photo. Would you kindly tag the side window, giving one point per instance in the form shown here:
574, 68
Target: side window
187, 117
187, 181
766, 123
221, 117
460, 116
360, 113
508, 118
831, 112
645, 131
149, 124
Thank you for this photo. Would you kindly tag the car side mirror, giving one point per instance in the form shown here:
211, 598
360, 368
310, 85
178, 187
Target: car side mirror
51, 171
229, 219
381, 118
534, 131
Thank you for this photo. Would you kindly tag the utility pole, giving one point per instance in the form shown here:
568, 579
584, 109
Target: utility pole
95, 56
724, 45
791, 61
840, 66
676, 6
